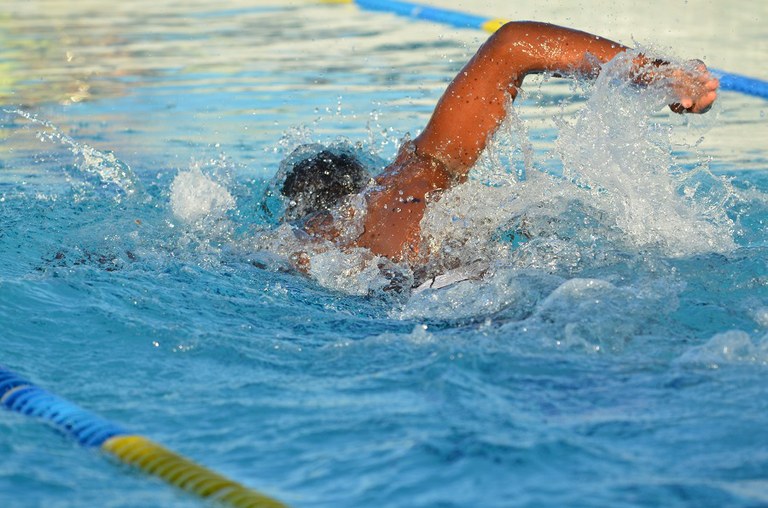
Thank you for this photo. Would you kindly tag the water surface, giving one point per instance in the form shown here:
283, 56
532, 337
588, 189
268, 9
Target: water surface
616, 358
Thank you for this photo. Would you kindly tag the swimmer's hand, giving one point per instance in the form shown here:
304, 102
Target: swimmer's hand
694, 86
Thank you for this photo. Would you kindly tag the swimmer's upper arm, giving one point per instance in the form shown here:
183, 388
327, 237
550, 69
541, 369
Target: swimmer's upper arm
473, 106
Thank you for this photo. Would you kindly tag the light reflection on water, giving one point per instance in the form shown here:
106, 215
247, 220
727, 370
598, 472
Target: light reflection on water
572, 386
195, 75
161, 80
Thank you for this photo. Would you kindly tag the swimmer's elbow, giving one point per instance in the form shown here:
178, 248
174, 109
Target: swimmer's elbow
521, 29
530, 47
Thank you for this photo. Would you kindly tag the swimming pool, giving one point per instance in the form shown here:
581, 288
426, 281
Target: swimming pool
616, 358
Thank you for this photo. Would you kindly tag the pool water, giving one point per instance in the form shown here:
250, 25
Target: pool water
609, 348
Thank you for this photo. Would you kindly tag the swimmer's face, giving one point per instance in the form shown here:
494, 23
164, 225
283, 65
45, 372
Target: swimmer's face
320, 182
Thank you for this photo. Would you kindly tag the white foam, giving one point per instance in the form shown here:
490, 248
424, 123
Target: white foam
482, 294
357, 271
596, 315
731, 347
195, 197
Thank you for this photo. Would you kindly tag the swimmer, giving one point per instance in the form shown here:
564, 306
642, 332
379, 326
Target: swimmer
464, 120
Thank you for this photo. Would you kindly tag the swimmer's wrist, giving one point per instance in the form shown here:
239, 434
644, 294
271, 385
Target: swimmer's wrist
646, 70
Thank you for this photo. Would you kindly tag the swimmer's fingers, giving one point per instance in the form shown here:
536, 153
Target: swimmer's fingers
695, 88
698, 105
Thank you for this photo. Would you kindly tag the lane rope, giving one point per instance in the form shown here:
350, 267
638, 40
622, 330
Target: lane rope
728, 81
90, 430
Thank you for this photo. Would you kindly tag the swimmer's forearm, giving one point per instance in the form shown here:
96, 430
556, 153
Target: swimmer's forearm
539, 47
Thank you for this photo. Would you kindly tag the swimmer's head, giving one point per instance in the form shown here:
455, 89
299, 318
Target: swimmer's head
318, 183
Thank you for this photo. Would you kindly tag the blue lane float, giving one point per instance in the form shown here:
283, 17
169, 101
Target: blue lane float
743, 84
19, 395
89, 430
728, 81
425, 12
86, 428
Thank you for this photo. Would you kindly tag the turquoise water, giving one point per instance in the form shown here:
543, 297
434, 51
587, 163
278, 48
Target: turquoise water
616, 358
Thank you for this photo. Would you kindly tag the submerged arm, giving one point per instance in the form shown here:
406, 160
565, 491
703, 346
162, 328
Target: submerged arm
473, 106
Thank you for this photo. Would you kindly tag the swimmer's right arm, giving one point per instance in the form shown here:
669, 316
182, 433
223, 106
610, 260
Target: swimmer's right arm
473, 106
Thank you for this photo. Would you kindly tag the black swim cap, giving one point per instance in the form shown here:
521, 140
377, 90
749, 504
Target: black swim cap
319, 182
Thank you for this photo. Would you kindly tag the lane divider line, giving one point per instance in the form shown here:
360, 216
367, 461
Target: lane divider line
91, 431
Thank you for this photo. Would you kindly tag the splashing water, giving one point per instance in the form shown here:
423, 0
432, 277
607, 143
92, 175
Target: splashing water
196, 197
107, 170
623, 159
621, 192
563, 342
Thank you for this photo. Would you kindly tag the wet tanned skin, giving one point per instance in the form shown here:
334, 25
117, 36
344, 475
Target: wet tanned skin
396, 206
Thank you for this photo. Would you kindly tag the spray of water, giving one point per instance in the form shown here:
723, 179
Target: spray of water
107, 170
196, 197
622, 158
621, 191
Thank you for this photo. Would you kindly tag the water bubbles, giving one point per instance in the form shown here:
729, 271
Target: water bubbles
420, 335
338, 105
